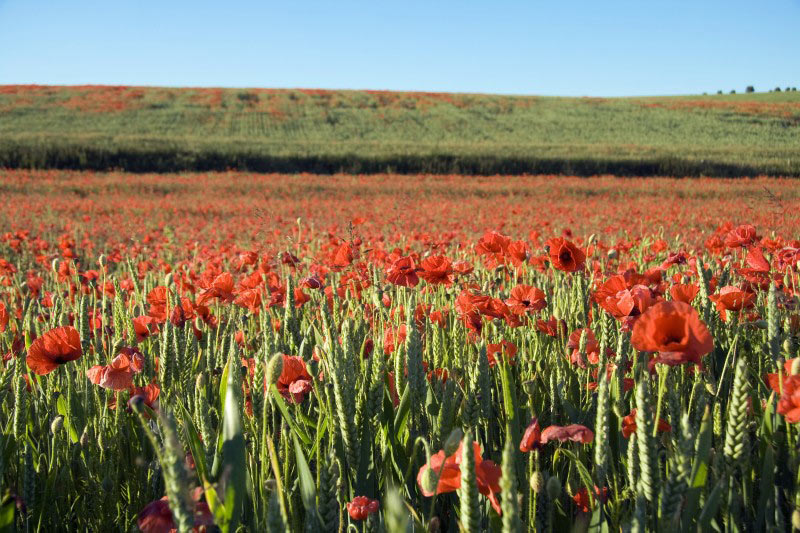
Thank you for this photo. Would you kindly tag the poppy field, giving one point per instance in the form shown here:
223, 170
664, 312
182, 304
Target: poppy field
232, 351
168, 129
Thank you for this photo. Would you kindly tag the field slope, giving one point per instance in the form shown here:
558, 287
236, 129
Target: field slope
167, 129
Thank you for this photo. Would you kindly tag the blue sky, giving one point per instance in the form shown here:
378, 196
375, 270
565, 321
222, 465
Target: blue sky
592, 48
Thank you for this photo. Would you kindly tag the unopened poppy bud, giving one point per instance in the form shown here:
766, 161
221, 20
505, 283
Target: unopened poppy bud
711, 389
200, 382
529, 386
612, 254
537, 482
198, 323
84, 437
760, 324
429, 480
271, 485
137, 404
107, 484
274, 369
787, 346
796, 366
101, 260
435, 525
452, 442
168, 280
553, 487
56, 424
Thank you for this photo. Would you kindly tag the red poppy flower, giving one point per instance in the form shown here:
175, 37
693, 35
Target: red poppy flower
157, 300
295, 381
552, 327
361, 507
532, 439
506, 348
629, 424
518, 252
773, 380
675, 331
119, 374
343, 256
3, 317
449, 470
393, 337
221, 288
789, 403
156, 516
144, 326
403, 272
744, 235
526, 299
684, 292
437, 270
582, 501
564, 255
732, 298
573, 432
148, 393
592, 350
54, 348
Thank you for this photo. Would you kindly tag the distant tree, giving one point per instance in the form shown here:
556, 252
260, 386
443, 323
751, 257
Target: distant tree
719, 92
777, 89
750, 89
787, 89
733, 91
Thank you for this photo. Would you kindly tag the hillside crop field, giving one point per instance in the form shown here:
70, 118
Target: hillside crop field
307, 130
235, 351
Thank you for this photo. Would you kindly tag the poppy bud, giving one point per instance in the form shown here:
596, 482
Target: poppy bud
200, 382
612, 254
429, 480
796, 366
452, 442
101, 260
553, 487
137, 404
84, 437
760, 324
787, 347
529, 386
168, 280
711, 389
435, 525
56, 424
537, 482
107, 484
274, 369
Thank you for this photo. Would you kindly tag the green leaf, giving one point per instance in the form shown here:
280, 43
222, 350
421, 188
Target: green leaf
7, 524
234, 467
195, 444
711, 507
282, 407
401, 417
308, 491
61, 407
699, 474
766, 487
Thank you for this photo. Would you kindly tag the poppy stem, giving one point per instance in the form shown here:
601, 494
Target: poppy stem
662, 374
